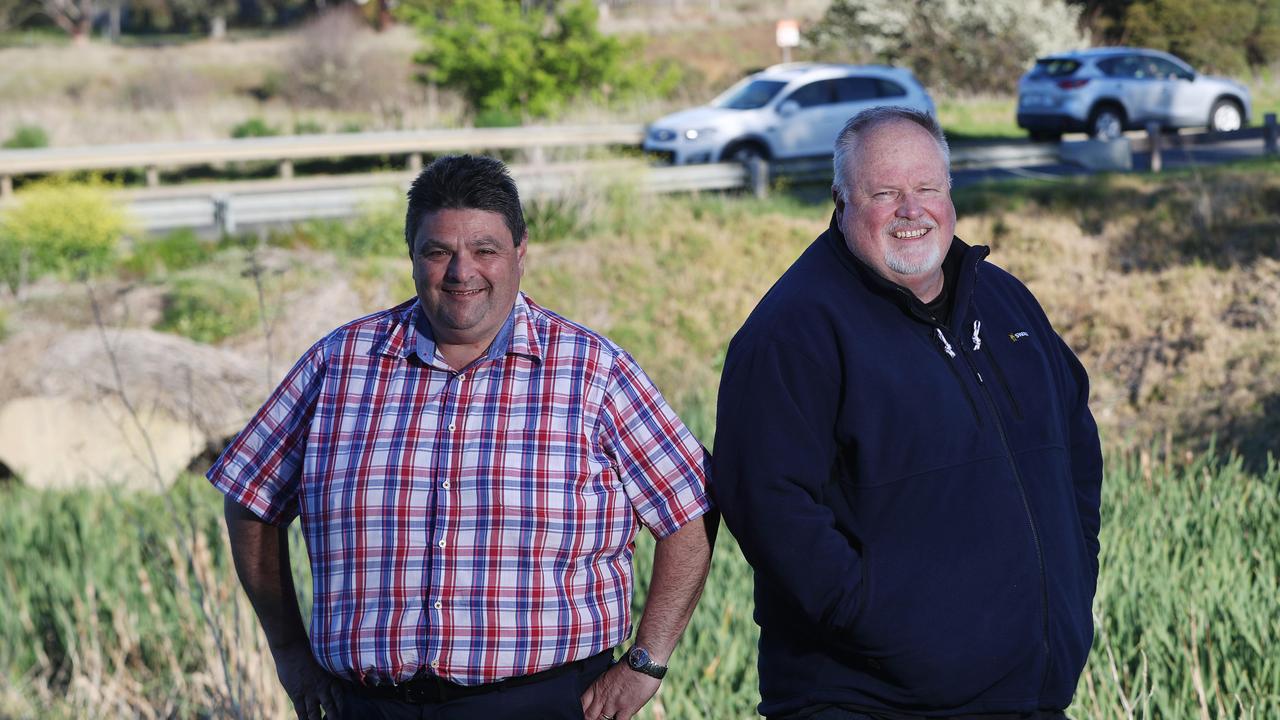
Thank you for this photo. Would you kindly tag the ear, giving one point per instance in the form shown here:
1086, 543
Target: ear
520, 250
835, 195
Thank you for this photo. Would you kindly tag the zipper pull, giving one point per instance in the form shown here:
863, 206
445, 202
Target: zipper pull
980, 381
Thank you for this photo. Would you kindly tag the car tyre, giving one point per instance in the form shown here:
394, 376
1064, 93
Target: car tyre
744, 153
1106, 122
1225, 116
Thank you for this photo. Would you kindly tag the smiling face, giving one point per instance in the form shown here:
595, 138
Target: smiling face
897, 215
467, 268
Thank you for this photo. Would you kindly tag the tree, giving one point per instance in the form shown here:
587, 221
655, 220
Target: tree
75, 17
965, 45
1227, 36
527, 63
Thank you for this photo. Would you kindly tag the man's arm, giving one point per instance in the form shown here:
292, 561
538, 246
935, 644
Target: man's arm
261, 554
680, 564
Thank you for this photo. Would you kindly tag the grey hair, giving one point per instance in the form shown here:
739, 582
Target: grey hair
849, 140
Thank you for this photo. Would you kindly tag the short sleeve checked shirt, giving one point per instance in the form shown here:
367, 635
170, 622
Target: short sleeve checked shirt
474, 524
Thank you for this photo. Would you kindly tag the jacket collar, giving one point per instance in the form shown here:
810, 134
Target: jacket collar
970, 257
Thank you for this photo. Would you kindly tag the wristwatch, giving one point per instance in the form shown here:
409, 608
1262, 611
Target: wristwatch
641, 661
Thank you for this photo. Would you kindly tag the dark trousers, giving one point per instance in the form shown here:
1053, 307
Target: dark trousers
557, 698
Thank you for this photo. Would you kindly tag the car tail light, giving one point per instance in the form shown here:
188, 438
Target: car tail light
1072, 84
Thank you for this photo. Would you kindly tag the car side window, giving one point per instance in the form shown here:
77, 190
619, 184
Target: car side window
889, 88
1126, 67
1164, 69
856, 89
813, 94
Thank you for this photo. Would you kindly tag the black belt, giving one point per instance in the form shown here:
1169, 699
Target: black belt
435, 689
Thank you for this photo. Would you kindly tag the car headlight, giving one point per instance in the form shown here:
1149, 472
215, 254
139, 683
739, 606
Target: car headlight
695, 133
662, 134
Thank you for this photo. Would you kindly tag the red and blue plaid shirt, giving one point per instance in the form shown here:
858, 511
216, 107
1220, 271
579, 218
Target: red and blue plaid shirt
474, 524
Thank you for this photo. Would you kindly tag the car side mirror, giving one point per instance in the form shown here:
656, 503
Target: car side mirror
788, 108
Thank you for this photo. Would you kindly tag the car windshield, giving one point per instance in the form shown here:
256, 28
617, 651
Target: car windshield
748, 94
1054, 67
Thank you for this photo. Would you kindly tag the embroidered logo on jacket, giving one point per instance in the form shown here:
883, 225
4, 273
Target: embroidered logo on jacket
1016, 336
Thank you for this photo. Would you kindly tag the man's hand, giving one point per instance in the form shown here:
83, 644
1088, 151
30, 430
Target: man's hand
309, 686
618, 694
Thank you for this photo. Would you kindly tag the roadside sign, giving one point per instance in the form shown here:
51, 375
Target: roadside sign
788, 33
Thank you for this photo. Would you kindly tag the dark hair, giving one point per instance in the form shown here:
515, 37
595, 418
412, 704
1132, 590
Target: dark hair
464, 182
849, 141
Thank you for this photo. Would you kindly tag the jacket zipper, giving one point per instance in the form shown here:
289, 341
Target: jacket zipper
1026, 506
940, 338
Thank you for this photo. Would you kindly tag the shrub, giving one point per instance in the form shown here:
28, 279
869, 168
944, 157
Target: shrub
26, 137
58, 226
502, 58
254, 127
965, 46
178, 250
377, 231
209, 307
307, 127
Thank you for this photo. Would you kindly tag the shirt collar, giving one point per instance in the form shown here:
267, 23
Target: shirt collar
516, 336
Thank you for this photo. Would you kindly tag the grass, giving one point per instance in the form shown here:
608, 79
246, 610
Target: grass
126, 604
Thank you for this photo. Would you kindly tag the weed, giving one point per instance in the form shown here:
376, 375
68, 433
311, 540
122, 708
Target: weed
210, 307
27, 137
177, 250
254, 127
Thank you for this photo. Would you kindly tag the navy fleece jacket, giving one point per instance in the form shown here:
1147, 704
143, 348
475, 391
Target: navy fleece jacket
919, 501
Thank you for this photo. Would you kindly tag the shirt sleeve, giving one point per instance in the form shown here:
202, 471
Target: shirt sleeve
261, 468
662, 466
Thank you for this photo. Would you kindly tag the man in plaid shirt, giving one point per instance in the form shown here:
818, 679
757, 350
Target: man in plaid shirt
470, 471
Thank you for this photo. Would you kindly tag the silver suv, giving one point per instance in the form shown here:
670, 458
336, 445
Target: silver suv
1105, 91
791, 110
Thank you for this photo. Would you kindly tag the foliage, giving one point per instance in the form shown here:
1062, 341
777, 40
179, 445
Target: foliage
178, 250
113, 585
377, 231
1225, 36
254, 127
57, 226
27, 137
956, 45
208, 307
502, 58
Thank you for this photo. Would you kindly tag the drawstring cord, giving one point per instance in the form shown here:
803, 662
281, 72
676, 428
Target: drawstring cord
946, 346
977, 340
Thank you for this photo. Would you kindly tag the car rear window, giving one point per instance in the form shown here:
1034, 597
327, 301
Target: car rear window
1054, 67
748, 95
889, 88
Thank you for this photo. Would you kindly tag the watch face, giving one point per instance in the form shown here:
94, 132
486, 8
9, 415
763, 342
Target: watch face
638, 657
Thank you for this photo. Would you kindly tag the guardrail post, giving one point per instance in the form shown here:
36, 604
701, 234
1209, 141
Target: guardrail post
6, 186
153, 176
758, 176
415, 163
1153, 139
286, 169
223, 219
1270, 134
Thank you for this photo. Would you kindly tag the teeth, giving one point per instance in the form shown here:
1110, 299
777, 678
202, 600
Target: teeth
909, 234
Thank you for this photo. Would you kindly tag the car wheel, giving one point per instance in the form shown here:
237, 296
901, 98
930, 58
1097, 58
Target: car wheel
1106, 123
1225, 116
744, 153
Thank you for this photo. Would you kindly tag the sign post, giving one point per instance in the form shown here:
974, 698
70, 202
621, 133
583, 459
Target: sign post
788, 36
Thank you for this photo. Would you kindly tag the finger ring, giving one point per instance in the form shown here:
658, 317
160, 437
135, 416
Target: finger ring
608, 717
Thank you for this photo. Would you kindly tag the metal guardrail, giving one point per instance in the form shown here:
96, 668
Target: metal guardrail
285, 150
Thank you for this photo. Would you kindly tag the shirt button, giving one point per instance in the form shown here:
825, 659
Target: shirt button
445, 484
441, 543
462, 377
452, 427
435, 664
439, 604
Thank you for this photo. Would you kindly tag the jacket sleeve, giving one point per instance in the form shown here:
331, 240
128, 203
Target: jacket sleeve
1086, 454
774, 453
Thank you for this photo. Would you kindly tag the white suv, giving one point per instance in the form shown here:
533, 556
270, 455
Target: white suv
791, 110
1105, 91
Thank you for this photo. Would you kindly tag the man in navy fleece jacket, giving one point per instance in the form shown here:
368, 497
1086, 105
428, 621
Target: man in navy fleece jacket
905, 453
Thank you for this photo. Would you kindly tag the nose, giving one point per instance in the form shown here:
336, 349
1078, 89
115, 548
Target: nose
910, 207
460, 268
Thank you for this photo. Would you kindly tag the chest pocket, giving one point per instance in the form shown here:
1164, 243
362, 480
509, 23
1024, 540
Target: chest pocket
1024, 387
